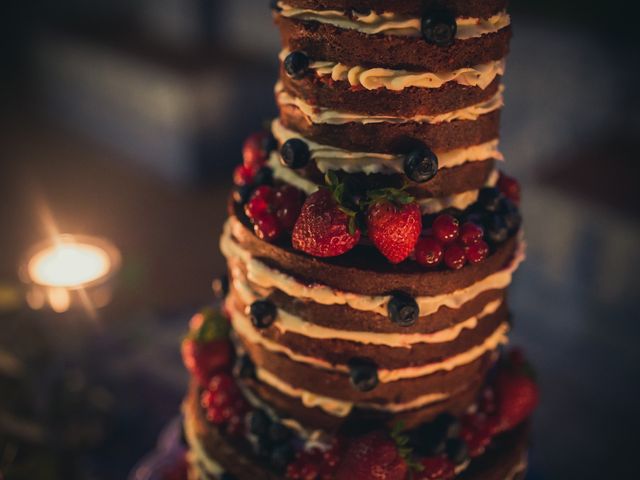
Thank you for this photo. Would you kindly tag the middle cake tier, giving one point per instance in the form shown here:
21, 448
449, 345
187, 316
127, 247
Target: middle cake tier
330, 348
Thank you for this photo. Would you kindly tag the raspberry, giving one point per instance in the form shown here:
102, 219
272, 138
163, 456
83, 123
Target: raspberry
429, 252
477, 252
446, 228
454, 257
477, 432
255, 149
243, 176
266, 227
471, 233
255, 207
264, 192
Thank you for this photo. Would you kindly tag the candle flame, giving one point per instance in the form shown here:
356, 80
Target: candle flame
68, 264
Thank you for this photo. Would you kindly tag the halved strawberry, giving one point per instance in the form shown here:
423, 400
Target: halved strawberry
375, 456
517, 396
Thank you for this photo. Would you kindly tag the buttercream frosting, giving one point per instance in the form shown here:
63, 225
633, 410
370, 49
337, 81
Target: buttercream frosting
391, 23
319, 115
328, 158
373, 78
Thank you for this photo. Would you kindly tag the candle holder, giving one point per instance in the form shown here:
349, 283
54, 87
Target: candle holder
69, 272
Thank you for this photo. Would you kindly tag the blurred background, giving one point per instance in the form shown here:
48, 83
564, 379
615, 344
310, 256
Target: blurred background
123, 119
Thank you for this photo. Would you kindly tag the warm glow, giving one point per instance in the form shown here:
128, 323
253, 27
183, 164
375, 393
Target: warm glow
68, 264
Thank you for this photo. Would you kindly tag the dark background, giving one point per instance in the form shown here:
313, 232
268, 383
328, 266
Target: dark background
124, 119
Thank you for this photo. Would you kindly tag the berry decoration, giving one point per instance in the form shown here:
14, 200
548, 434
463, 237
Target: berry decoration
429, 252
446, 228
372, 456
403, 309
296, 64
509, 187
363, 373
421, 164
295, 153
439, 28
263, 313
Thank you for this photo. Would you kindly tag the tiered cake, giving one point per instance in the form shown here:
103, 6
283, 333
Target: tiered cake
370, 242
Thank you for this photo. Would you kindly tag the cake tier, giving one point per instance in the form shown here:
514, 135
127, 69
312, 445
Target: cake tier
213, 454
331, 312
390, 41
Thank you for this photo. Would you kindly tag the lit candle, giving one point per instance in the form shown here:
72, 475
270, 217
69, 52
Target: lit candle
70, 267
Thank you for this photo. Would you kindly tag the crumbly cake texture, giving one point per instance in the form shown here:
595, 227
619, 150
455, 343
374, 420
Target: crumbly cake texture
370, 244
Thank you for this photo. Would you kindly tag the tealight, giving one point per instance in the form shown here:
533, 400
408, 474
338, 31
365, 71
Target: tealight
69, 270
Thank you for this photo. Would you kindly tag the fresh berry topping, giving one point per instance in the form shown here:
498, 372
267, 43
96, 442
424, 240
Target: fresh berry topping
263, 313
457, 451
255, 207
265, 193
509, 187
236, 426
258, 423
241, 194
264, 176
288, 202
455, 257
323, 229
266, 227
496, 230
430, 438
403, 309
421, 164
429, 252
206, 349
439, 28
373, 456
223, 400
295, 153
363, 373
278, 433
255, 150
477, 431
446, 228
476, 252
244, 367
489, 199
310, 465
510, 215
471, 233
517, 396
296, 64
436, 468
487, 401
243, 176
280, 456
394, 223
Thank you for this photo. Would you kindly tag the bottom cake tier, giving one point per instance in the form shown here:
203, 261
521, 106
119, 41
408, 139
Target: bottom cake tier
215, 455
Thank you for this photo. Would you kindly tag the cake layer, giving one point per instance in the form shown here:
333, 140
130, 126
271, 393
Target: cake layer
362, 278
460, 8
212, 452
393, 93
323, 41
389, 137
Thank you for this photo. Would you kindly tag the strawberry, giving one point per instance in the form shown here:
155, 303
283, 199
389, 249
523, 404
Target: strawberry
374, 456
394, 223
206, 349
325, 228
517, 396
436, 468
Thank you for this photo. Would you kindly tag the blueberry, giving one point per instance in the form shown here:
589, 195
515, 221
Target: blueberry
278, 433
241, 194
403, 309
363, 373
296, 64
430, 438
244, 367
264, 176
457, 450
263, 313
295, 153
281, 456
421, 164
495, 229
259, 422
439, 28
510, 214
220, 286
489, 199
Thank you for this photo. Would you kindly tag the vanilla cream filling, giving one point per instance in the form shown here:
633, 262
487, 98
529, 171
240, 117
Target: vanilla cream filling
373, 78
390, 23
318, 115
341, 408
266, 277
244, 328
332, 158
289, 323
